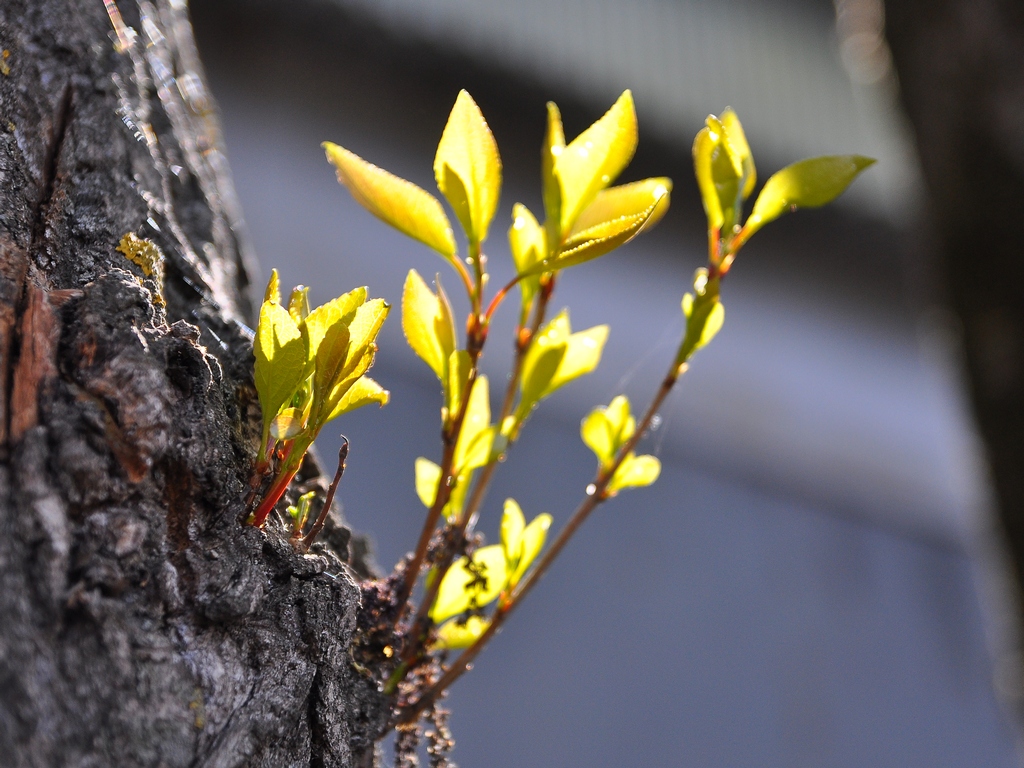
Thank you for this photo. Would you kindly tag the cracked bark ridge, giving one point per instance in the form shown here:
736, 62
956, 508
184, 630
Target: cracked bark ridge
140, 623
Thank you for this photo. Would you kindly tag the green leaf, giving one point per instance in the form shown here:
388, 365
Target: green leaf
807, 184
300, 512
534, 536
602, 238
473, 448
554, 145
428, 475
512, 525
595, 158
428, 324
468, 153
626, 200
397, 202
364, 391
455, 635
635, 472
471, 583
298, 303
280, 351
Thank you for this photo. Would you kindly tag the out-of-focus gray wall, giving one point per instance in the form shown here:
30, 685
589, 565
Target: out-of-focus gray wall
809, 582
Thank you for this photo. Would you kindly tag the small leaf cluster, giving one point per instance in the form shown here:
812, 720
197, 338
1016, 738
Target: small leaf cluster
606, 431
490, 572
726, 175
311, 368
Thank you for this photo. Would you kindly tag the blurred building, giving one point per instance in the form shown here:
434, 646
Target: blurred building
811, 581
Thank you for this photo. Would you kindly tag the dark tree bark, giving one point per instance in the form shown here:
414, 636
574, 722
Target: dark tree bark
141, 623
961, 71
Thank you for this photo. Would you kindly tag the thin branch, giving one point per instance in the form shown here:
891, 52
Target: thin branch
450, 437
322, 518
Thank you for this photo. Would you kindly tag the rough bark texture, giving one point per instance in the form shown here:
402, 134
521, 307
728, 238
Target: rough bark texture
961, 72
140, 622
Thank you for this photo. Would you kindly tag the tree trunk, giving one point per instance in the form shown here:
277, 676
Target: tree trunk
141, 622
961, 70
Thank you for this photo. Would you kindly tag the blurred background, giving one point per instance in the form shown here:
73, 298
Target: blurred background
816, 579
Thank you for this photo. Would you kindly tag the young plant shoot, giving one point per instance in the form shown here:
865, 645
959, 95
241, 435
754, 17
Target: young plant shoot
310, 366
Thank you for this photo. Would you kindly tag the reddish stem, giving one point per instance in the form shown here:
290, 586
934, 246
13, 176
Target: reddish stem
276, 491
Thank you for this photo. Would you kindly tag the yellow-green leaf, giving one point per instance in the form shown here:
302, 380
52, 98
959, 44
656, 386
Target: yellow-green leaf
428, 324
534, 536
273, 292
400, 203
457, 498
607, 428
344, 354
340, 310
525, 238
738, 140
363, 391
602, 238
280, 351
593, 160
633, 199
298, 303
582, 354
458, 377
704, 319
527, 242
288, 424
703, 148
512, 525
542, 359
468, 153
554, 145
473, 448
471, 584
597, 435
365, 326
455, 635
807, 184
635, 472
428, 475
555, 357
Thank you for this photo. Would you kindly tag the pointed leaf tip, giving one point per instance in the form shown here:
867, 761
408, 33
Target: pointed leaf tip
467, 167
808, 183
